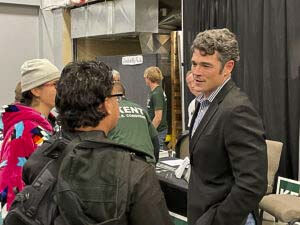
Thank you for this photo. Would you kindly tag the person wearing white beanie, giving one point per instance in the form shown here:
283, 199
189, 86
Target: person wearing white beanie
26, 124
38, 82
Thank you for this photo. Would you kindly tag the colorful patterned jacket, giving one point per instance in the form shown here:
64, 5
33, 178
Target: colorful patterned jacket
24, 129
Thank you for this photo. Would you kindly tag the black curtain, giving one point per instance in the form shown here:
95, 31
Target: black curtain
268, 32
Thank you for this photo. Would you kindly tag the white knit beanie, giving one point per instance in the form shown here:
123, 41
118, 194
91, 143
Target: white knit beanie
36, 72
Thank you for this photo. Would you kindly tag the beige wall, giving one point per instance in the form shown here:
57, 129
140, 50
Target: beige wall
90, 48
67, 49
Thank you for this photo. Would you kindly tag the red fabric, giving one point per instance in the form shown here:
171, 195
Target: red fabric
24, 129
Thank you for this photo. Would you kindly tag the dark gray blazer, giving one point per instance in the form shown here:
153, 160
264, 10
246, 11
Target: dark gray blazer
229, 161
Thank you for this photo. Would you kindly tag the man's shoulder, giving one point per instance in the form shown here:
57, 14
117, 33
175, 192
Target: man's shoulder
127, 107
158, 90
237, 97
236, 100
126, 102
139, 167
98, 140
136, 159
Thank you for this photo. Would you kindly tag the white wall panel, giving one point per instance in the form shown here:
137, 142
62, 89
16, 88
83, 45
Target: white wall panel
22, 2
19, 41
26, 32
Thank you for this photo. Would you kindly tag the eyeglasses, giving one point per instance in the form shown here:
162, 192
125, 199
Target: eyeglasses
119, 96
54, 83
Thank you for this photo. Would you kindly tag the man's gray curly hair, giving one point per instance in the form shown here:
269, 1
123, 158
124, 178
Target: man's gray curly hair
221, 40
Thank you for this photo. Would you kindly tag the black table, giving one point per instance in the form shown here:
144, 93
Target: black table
175, 190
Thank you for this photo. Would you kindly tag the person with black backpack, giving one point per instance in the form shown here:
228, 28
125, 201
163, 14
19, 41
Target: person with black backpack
98, 181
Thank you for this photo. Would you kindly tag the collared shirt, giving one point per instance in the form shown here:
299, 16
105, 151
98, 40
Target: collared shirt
191, 110
204, 104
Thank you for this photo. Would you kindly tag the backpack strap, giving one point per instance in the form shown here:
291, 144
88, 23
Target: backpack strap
70, 146
46, 178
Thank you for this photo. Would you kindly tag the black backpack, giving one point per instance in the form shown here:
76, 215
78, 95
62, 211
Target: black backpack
38, 203
35, 204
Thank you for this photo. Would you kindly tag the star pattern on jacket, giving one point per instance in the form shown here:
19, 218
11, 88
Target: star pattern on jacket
3, 163
10, 108
19, 127
21, 161
39, 135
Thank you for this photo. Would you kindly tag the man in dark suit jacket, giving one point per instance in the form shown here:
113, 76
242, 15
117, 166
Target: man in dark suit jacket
227, 145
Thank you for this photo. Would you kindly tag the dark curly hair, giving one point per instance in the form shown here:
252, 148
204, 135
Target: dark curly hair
83, 86
221, 40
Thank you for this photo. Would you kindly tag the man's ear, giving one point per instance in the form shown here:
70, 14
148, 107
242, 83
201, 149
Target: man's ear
105, 107
228, 67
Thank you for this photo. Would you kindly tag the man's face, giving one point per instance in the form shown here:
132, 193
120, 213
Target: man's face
113, 107
191, 85
146, 81
208, 72
116, 78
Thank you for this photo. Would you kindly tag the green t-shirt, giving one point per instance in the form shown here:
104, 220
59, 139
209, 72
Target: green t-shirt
134, 128
157, 100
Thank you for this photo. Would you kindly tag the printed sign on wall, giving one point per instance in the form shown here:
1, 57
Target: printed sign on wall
132, 60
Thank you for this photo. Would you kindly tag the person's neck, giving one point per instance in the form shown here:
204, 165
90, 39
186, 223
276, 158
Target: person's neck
42, 109
97, 128
153, 86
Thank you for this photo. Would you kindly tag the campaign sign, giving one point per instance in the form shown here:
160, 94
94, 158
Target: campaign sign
288, 186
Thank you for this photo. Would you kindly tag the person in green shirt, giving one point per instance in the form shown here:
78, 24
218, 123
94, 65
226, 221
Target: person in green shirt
157, 103
134, 127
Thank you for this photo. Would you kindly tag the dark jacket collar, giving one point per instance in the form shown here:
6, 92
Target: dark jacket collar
211, 110
223, 92
99, 136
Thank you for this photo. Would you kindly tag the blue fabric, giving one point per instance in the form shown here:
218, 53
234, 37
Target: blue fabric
162, 137
3, 163
21, 161
1, 123
19, 129
202, 110
250, 220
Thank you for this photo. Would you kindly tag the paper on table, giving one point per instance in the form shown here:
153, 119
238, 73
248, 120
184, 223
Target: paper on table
163, 154
175, 162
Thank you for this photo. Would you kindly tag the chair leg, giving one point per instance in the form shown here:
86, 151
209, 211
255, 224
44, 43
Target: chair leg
261, 215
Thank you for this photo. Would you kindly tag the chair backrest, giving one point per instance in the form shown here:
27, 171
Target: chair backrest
274, 149
182, 146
